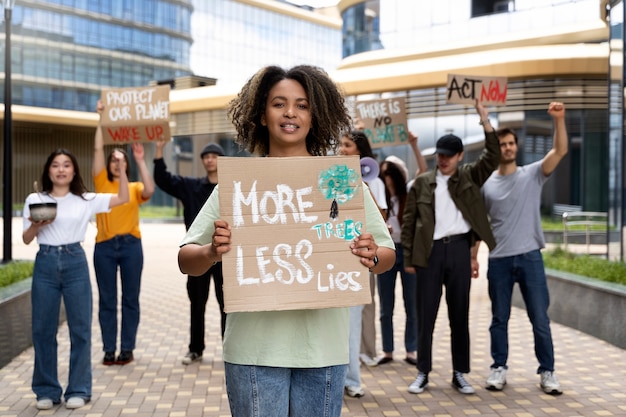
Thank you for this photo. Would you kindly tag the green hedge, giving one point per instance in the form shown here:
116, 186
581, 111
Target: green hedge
585, 265
15, 271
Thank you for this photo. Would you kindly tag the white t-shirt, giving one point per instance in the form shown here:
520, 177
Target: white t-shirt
73, 215
449, 220
377, 187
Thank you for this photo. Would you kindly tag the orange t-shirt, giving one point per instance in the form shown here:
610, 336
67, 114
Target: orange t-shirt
121, 220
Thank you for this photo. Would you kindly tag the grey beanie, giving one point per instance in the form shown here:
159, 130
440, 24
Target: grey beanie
212, 148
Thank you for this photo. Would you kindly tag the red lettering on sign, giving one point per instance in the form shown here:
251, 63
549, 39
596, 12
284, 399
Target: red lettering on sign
123, 134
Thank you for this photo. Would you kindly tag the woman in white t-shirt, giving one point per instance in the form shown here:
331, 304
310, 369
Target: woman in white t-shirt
61, 272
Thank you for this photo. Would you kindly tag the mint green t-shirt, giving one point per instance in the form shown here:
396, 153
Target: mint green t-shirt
293, 338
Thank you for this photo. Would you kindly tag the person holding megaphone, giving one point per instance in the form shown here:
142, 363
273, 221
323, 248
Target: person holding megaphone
362, 318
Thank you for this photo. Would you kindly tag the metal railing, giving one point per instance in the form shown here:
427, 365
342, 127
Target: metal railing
590, 220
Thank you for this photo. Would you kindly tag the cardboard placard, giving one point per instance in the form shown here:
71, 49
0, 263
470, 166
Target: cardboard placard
287, 252
465, 89
139, 114
384, 121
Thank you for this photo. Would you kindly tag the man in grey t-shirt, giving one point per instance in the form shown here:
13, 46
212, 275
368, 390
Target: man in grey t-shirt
512, 196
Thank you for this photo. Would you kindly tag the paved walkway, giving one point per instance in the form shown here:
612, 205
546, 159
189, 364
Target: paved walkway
592, 372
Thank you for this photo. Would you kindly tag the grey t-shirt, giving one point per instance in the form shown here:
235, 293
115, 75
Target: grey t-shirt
513, 203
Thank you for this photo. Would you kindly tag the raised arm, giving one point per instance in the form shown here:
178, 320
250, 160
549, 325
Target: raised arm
419, 158
98, 146
559, 143
122, 195
146, 178
490, 157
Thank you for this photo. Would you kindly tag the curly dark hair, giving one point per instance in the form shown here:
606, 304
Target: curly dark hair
329, 116
77, 186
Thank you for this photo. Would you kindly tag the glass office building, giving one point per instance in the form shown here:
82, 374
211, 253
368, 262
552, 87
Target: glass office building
233, 39
65, 51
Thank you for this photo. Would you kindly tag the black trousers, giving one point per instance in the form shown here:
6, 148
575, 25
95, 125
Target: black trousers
449, 265
198, 292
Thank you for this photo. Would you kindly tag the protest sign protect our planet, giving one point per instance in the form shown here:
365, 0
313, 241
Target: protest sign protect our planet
135, 114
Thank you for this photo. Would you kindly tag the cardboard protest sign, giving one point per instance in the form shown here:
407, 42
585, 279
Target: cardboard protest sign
465, 89
135, 114
292, 221
384, 121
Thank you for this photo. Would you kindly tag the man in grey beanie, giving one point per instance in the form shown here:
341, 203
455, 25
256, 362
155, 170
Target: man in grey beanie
193, 193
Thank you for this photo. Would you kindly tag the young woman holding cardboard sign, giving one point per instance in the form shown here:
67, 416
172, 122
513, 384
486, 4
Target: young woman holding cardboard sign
118, 245
269, 370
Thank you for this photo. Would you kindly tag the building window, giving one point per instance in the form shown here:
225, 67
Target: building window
487, 7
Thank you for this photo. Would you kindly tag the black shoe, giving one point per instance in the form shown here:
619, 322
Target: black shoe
109, 358
125, 356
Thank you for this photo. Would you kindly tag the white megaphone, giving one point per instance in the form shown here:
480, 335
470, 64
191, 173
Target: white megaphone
369, 168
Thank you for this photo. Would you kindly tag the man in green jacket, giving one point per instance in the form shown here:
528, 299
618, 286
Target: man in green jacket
444, 218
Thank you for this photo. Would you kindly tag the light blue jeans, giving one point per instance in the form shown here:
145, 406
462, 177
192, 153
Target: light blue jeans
261, 391
528, 270
126, 252
61, 272
353, 377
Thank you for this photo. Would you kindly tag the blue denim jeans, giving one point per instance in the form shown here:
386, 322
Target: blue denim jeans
61, 272
387, 294
125, 251
528, 271
353, 377
261, 391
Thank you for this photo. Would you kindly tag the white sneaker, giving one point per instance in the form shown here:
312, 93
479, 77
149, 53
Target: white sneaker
497, 379
459, 382
44, 404
549, 383
420, 383
367, 361
354, 392
74, 402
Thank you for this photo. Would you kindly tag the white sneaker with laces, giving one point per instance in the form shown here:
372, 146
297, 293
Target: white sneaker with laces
355, 392
549, 383
420, 383
44, 404
459, 382
74, 402
497, 379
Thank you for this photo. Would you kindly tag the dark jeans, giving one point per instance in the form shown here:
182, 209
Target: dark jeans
126, 252
450, 265
387, 293
528, 270
198, 292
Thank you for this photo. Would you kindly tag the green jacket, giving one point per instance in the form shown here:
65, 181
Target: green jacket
418, 221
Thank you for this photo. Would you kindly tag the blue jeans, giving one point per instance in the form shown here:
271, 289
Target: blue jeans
526, 269
387, 294
61, 272
261, 391
353, 377
125, 251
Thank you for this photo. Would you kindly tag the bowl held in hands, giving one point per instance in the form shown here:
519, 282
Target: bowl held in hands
43, 211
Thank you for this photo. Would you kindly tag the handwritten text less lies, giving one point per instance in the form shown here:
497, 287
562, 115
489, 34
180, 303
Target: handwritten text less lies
286, 263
